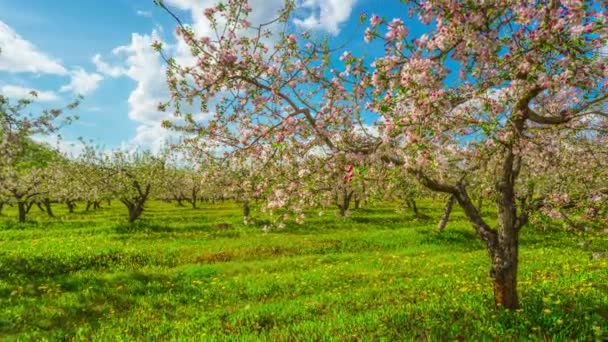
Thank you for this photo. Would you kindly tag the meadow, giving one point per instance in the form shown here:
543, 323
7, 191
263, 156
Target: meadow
201, 274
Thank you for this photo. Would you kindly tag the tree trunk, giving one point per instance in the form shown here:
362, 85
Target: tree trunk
96, 205
135, 212
1, 207
505, 252
480, 204
88, 205
414, 207
47, 207
109, 202
71, 206
22, 211
504, 276
246, 211
357, 203
40, 207
345, 203
29, 207
194, 194
446, 214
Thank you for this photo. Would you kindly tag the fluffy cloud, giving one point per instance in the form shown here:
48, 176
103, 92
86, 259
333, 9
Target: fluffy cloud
19, 55
107, 69
145, 14
325, 15
262, 12
19, 92
143, 65
82, 82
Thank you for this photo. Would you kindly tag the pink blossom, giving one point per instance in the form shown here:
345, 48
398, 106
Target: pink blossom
375, 21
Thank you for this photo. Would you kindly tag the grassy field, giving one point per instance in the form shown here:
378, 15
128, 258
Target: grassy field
200, 274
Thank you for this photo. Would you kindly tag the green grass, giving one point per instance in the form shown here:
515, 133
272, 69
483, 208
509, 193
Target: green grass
200, 274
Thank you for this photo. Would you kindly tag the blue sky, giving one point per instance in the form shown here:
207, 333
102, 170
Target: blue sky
100, 48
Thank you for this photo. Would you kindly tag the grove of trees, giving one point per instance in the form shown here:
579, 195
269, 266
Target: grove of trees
499, 103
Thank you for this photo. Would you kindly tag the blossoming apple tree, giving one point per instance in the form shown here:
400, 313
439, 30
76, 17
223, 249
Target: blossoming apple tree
23, 161
503, 78
492, 82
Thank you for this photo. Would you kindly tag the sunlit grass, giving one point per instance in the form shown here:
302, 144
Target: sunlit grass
184, 273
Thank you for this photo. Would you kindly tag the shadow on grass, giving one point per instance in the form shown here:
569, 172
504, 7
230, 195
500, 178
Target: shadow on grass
452, 237
88, 302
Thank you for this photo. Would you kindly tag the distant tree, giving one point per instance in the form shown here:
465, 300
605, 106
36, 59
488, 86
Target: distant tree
23, 161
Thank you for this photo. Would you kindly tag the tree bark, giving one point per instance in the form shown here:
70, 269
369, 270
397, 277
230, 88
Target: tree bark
71, 206
505, 254
22, 210
29, 207
47, 207
504, 276
345, 202
357, 202
446, 214
135, 212
480, 204
246, 211
414, 207
1, 207
88, 205
194, 195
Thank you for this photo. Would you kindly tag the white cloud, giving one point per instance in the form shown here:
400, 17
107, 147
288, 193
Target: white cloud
82, 82
143, 65
19, 92
107, 69
325, 15
262, 12
19, 55
145, 14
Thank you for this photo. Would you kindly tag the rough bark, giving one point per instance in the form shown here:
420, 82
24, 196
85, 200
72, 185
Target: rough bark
345, 204
135, 205
47, 208
22, 210
443, 222
71, 205
194, 198
414, 207
246, 211
135, 212
357, 202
